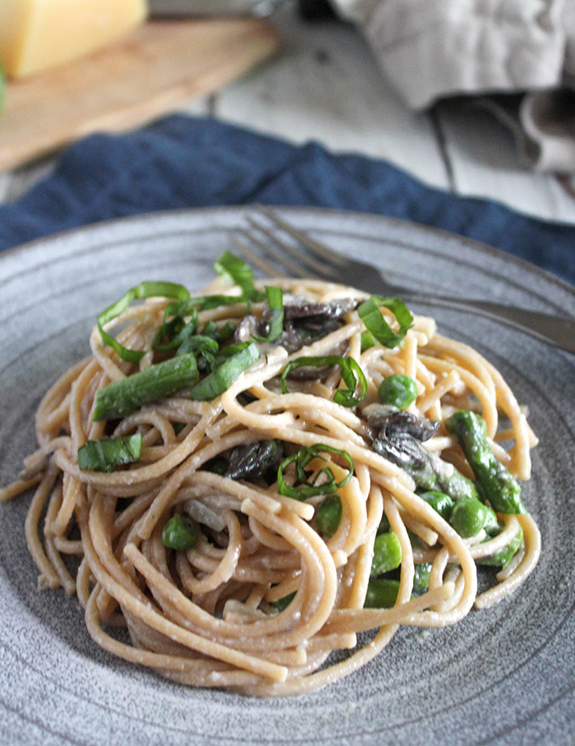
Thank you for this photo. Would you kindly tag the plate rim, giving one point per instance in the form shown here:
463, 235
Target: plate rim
484, 248
418, 229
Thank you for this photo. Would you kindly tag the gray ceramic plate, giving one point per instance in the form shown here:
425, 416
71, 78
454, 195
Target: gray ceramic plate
503, 676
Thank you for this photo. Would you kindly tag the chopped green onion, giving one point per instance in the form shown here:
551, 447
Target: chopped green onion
367, 341
199, 344
174, 329
224, 332
375, 323
352, 375
310, 489
210, 302
275, 298
210, 329
239, 273
231, 350
179, 533
225, 374
121, 398
108, 454
141, 291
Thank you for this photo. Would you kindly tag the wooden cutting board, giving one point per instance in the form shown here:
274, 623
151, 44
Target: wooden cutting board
160, 66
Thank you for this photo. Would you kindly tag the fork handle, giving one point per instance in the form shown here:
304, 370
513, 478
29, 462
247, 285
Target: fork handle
556, 330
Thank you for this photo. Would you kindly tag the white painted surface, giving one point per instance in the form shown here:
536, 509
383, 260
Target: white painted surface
325, 85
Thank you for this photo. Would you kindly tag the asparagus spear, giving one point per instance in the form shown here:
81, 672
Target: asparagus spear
495, 482
428, 471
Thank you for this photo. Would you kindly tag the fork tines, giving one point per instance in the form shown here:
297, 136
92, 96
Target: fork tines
280, 249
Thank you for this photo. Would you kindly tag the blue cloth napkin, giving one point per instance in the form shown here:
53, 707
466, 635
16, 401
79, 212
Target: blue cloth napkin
183, 162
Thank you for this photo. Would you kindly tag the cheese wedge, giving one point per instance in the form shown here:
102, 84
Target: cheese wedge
39, 34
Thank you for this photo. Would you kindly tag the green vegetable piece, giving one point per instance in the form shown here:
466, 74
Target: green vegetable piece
496, 483
328, 515
106, 455
381, 593
178, 427
398, 390
421, 577
375, 323
121, 398
386, 554
283, 603
174, 329
179, 533
367, 341
505, 555
224, 332
199, 345
310, 489
352, 375
440, 502
220, 379
140, 292
384, 525
239, 273
469, 516
428, 470
275, 298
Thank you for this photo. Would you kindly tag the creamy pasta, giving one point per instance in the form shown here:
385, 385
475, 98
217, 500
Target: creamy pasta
248, 524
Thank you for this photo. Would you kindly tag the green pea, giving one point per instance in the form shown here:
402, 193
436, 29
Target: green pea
398, 390
386, 553
328, 515
179, 533
440, 502
381, 593
421, 577
469, 516
283, 603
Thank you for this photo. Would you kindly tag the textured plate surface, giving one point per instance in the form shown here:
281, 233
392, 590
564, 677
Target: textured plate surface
502, 676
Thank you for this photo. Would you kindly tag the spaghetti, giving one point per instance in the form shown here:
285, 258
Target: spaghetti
309, 478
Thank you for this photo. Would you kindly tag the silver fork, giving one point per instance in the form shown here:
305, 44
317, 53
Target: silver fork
310, 258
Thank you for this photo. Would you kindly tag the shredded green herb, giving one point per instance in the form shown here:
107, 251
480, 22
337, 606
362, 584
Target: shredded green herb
306, 488
222, 377
240, 273
140, 292
379, 328
275, 298
352, 375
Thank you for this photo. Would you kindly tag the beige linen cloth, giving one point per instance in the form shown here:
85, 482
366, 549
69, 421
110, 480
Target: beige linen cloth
432, 49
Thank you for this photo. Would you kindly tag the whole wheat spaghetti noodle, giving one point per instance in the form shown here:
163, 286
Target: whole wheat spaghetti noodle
254, 518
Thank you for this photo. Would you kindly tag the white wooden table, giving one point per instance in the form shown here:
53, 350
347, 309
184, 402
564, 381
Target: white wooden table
325, 85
